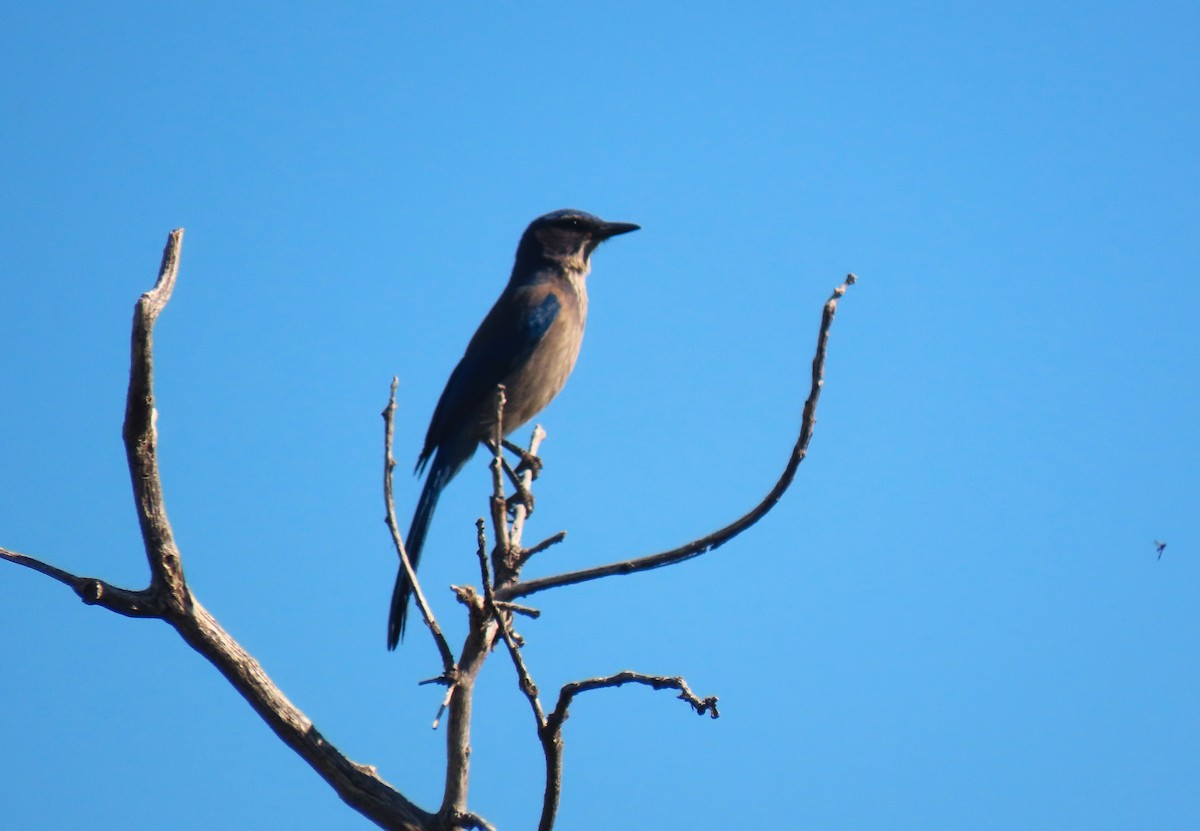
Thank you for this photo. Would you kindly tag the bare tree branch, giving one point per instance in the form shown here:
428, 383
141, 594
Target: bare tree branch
527, 554
518, 609
169, 598
389, 467
499, 510
92, 591
141, 439
723, 535
360, 786
658, 682
550, 731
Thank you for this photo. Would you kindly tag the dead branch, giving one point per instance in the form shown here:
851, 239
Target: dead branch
169, 598
389, 467
550, 731
659, 682
718, 538
92, 591
499, 507
527, 553
141, 439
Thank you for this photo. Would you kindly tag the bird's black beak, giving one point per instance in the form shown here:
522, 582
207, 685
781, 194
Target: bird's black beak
612, 229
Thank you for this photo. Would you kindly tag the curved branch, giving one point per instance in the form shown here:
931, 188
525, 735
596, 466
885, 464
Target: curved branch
658, 682
550, 731
724, 535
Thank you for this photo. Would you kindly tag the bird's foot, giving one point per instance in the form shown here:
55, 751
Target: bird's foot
528, 461
523, 497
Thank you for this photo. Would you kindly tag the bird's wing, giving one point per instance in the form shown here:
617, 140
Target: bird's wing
505, 339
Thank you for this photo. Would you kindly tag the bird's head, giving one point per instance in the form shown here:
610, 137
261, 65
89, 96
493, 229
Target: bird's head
567, 237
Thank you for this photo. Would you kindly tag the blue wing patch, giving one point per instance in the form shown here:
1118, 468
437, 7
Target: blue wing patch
538, 321
505, 339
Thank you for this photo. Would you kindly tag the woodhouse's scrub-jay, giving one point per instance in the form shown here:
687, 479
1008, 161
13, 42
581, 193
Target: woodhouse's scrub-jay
529, 342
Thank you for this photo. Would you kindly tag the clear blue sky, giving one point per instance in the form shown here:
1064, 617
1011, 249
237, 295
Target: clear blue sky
955, 619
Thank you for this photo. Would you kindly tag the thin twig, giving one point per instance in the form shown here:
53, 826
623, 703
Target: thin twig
389, 467
518, 609
658, 682
724, 535
437, 719
527, 554
485, 575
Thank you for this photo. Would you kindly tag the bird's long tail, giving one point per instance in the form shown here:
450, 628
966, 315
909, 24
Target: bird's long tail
440, 475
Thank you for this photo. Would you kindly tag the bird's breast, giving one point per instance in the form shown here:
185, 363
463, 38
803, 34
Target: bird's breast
533, 385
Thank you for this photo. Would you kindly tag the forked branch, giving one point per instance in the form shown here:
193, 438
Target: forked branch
169, 598
550, 732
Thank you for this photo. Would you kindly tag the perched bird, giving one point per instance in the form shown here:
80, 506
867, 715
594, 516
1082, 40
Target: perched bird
528, 342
